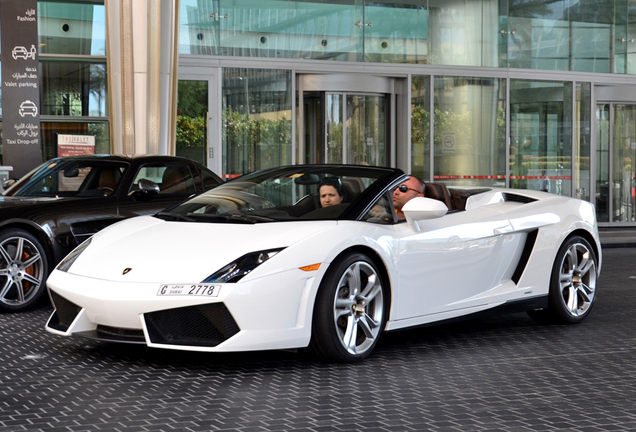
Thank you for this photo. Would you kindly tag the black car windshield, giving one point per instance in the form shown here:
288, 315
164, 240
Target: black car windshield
72, 177
314, 192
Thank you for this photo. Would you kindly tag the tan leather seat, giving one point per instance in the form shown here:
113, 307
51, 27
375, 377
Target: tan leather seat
439, 192
174, 180
108, 179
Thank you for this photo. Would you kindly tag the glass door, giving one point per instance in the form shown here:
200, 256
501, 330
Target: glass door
192, 124
342, 123
616, 156
197, 123
342, 128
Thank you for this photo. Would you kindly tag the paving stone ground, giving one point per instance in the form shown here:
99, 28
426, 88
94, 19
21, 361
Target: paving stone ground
497, 374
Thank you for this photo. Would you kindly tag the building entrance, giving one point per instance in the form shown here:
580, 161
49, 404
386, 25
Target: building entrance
345, 119
616, 155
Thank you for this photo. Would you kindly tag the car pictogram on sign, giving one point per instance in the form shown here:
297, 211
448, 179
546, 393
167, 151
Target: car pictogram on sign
28, 108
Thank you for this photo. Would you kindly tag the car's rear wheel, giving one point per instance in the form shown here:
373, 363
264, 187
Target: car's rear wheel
350, 310
23, 269
572, 283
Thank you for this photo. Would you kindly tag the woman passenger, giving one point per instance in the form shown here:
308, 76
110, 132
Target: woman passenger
330, 192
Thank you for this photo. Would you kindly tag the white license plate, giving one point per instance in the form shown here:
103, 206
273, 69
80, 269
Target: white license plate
204, 290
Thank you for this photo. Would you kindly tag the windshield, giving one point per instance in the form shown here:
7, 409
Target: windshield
71, 178
286, 194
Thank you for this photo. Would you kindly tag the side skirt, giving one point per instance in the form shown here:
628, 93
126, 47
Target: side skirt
510, 307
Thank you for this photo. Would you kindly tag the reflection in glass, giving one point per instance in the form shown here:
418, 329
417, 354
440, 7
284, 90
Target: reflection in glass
72, 28
586, 35
314, 127
540, 135
99, 130
463, 32
366, 130
334, 129
602, 162
74, 89
624, 159
256, 119
420, 127
192, 110
396, 32
582, 141
469, 131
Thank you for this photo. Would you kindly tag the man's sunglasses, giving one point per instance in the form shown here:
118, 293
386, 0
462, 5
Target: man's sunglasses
404, 188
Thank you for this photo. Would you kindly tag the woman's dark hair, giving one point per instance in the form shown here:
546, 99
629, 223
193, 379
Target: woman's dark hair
332, 181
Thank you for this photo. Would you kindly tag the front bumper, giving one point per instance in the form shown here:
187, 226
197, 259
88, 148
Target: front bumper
273, 312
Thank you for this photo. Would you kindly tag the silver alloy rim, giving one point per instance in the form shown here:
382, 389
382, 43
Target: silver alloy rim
21, 271
358, 308
578, 279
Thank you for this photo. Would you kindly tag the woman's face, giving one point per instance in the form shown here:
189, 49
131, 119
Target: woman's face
329, 196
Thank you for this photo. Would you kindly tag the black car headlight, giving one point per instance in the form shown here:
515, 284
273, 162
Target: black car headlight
68, 261
234, 271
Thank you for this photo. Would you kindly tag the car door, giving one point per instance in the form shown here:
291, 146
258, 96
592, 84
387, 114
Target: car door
452, 262
175, 181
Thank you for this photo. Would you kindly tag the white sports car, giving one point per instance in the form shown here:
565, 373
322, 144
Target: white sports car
259, 264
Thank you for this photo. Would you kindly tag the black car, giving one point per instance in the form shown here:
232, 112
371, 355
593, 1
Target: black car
55, 207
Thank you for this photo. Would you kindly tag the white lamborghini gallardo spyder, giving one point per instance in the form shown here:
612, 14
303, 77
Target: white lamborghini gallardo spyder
257, 264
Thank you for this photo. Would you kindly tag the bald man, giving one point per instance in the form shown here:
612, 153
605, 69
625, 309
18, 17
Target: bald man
413, 187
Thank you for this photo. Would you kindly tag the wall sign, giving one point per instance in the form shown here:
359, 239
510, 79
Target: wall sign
75, 145
20, 85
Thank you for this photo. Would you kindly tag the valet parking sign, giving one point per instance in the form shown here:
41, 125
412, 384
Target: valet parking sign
20, 85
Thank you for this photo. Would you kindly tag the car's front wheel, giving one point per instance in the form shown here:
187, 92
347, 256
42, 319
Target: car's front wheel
350, 310
23, 269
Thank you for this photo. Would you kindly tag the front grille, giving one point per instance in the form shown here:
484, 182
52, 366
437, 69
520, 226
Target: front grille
510, 197
65, 313
203, 325
120, 334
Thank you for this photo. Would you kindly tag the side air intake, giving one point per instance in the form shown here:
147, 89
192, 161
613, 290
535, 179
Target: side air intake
510, 197
531, 239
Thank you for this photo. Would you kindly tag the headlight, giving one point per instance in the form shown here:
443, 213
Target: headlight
234, 271
68, 261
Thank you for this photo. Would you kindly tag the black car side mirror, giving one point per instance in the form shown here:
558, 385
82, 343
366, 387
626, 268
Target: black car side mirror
146, 187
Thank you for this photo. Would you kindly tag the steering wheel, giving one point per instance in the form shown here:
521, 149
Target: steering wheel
108, 190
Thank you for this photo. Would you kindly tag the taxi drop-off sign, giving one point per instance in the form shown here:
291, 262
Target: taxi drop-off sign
20, 85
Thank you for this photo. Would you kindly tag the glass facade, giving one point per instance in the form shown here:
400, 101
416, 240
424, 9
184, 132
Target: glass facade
541, 136
257, 117
562, 35
192, 123
420, 126
469, 131
491, 92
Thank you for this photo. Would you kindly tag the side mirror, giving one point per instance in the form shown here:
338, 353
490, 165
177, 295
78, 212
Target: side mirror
421, 208
8, 183
146, 187
71, 172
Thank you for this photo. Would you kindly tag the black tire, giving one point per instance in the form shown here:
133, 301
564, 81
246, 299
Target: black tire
572, 283
350, 310
23, 270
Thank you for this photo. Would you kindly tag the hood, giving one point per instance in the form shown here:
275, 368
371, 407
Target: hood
182, 252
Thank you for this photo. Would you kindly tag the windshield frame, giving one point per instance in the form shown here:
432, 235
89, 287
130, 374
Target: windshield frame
380, 178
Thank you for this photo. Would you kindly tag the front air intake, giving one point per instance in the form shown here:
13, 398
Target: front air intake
65, 313
203, 325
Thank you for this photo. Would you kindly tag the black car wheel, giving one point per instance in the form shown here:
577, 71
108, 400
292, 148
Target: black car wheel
23, 269
572, 284
350, 311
